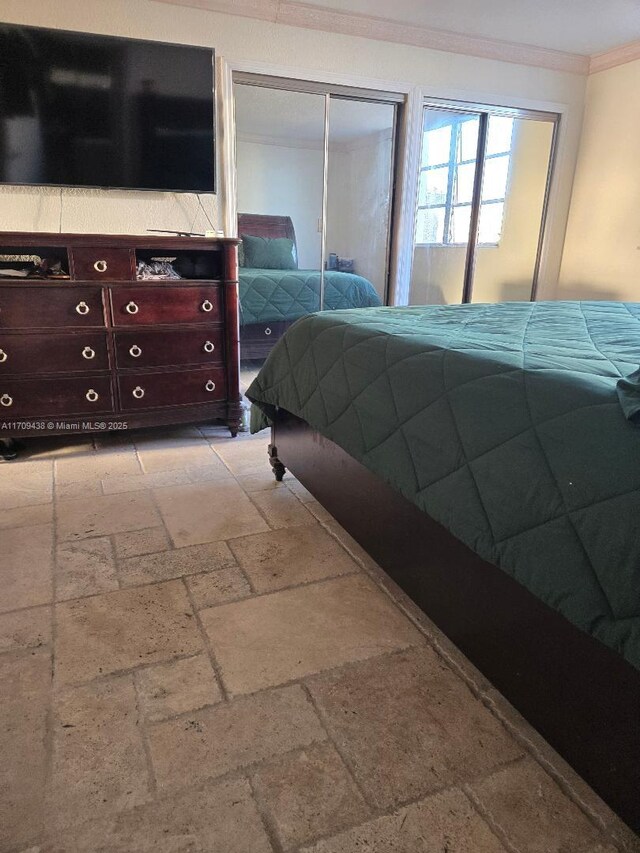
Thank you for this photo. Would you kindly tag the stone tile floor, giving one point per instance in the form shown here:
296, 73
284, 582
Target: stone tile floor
195, 658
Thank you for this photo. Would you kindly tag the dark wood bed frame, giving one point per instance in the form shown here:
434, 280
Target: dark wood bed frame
579, 695
258, 339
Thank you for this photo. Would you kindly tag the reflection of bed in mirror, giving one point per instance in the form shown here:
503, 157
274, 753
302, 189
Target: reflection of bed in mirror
272, 299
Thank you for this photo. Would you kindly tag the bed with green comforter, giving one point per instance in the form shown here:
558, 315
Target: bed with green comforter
272, 295
516, 426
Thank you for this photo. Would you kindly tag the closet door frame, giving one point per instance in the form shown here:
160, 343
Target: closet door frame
485, 111
348, 93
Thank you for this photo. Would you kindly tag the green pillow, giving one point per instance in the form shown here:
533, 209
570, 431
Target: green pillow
269, 253
241, 262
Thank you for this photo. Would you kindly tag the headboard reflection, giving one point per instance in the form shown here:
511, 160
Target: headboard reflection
261, 225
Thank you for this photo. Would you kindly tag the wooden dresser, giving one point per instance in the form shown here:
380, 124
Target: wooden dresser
103, 350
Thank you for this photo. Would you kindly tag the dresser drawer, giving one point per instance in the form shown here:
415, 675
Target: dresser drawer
70, 353
21, 398
33, 307
148, 306
177, 388
89, 264
142, 349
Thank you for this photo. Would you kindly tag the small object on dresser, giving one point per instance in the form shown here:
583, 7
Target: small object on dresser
346, 265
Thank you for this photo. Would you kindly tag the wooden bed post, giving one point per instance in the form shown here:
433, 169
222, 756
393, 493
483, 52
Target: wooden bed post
276, 464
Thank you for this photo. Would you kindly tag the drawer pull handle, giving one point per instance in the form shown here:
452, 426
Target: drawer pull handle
88, 353
6, 400
131, 308
135, 351
267, 331
207, 306
100, 266
3, 356
209, 346
82, 308
210, 386
92, 395
138, 392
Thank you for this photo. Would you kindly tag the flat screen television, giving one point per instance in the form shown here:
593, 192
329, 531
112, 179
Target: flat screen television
96, 111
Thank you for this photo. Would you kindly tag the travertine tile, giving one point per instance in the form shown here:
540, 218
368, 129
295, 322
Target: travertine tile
137, 542
275, 638
164, 454
80, 518
25, 485
99, 762
205, 473
139, 482
118, 440
39, 451
408, 726
244, 457
123, 629
309, 794
260, 480
217, 817
77, 489
187, 684
85, 567
26, 567
405, 725
282, 508
299, 491
25, 516
294, 555
444, 822
217, 587
174, 564
319, 511
96, 466
533, 812
24, 689
208, 512
346, 540
216, 740
25, 629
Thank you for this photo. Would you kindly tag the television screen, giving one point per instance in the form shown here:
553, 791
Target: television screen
95, 111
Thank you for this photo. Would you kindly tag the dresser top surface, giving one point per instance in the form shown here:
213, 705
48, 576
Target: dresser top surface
124, 241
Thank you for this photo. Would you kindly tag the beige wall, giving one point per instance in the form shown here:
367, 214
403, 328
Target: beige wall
503, 272
358, 205
602, 251
284, 181
244, 39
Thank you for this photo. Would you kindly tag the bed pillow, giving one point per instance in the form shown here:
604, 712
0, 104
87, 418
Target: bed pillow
269, 253
241, 262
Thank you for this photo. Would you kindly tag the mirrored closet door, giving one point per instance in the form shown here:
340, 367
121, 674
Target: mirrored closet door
361, 136
280, 189
315, 178
484, 175
446, 182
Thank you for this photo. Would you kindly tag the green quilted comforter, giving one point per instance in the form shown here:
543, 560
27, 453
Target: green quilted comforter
270, 295
510, 424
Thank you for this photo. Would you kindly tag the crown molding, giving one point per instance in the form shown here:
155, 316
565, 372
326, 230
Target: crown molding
612, 58
303, 15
